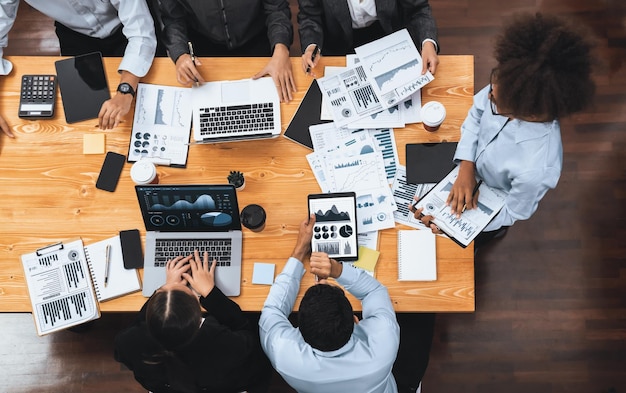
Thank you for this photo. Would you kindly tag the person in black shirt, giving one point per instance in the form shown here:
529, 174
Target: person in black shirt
229, 28
172, 347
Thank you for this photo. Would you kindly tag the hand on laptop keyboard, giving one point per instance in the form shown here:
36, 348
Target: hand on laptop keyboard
175, 269
202, 277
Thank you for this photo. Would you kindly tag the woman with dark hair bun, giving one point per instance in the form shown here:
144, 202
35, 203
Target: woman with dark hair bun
174, 347
511, 138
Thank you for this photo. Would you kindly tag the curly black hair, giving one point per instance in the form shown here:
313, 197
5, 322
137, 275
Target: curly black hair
325, 317
544, 67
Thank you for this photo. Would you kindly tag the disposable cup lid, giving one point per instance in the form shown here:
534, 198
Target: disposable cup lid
253, 216
433, 113
143, 172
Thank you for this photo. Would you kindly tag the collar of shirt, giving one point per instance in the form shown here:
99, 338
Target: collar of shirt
348, 347
363, 13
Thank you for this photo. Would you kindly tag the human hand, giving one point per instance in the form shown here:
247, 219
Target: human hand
303, 244
175, 269
186, 71
5, 127
113, 110
308, 62
279, 68
324, 267
460, 196
430, 60
202, 277
426, 220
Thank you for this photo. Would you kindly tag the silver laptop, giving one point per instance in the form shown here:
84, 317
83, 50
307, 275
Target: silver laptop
238, 110
182, 218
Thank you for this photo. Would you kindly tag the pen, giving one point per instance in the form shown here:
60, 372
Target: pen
193, 58
315, 52
106, 265
474, 191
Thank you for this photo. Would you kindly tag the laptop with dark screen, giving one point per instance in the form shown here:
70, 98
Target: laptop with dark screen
182, 218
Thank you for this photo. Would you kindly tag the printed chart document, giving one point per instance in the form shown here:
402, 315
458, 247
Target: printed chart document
472, 221
404, 194
162, 124
394, 67
59, 286
349, 95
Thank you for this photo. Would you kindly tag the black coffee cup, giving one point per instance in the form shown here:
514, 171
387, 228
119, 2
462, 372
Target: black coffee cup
253, 217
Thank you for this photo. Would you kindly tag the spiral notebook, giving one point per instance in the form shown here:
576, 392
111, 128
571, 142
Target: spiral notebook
417, 259
121, 281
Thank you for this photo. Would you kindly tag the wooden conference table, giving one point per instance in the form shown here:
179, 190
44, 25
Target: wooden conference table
48, 193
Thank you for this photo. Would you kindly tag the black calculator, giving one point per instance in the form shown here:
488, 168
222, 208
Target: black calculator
37, 96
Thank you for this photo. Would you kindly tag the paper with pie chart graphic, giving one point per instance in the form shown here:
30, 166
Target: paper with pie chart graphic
335, 230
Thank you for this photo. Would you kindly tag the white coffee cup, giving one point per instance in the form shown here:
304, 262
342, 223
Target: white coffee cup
433, 114
144, 172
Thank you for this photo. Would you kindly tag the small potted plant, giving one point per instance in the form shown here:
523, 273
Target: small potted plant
236, 179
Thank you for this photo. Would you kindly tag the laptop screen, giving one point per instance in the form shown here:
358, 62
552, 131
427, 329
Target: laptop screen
195, 208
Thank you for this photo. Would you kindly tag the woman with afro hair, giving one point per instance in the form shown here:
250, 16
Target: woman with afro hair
511, 138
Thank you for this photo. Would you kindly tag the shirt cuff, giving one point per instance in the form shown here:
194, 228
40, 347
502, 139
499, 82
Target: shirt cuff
434, 43
5, 67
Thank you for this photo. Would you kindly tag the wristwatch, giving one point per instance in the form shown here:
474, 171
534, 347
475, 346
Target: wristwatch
126, 88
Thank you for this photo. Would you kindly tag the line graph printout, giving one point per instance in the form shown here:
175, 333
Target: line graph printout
162, 124
409, 110
465, 228
395, 66
326, 138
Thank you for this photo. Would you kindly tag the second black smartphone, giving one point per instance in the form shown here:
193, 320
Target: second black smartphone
111, 171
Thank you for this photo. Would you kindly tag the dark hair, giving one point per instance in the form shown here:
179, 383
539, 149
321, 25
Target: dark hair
544, 67
325, 317
173, 319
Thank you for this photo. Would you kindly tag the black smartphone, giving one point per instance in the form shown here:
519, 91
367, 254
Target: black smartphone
132, 253
111, 171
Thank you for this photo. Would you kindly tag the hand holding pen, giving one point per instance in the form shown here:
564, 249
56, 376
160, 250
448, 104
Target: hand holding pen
310, 58
186, 68
474, 191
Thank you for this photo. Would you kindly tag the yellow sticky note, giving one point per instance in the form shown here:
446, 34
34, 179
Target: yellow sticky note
93, 143
367, 259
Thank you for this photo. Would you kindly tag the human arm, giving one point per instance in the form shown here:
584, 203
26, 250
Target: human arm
422, 28
8, 13
114, 109
279, 68
465, 156
310, 29
274, 321
378, 312
138, 27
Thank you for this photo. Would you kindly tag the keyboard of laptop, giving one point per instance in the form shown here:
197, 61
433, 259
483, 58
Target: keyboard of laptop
236, 119
218, 249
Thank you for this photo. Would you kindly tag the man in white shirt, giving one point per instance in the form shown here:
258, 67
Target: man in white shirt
330, 350
113, 27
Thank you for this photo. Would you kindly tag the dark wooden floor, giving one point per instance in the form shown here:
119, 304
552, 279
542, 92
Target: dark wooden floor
550, 296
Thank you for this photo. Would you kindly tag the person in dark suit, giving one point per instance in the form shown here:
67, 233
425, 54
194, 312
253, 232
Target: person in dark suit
337, 27
256, 28
172, 347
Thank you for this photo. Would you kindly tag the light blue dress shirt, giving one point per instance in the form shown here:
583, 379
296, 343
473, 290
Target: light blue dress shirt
362, 365
94, 18
522, 158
